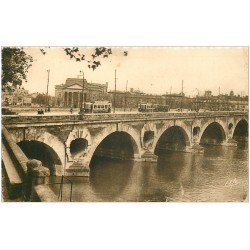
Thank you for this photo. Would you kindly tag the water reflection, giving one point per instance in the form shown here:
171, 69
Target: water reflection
169, 166
108, 178
221, 174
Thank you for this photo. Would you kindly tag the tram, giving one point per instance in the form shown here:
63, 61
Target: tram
145, 107
148, 107
98, 107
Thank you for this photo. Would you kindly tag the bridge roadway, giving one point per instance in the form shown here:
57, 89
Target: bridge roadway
69, 142
52, 119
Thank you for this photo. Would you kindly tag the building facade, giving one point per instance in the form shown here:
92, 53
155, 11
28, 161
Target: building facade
133, 98
71, 93
221, 102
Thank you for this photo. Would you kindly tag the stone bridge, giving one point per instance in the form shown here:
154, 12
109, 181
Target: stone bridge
69, 144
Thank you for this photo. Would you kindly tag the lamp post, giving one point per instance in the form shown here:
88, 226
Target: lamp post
182, 95
82, 104
47, 94
126, 96
115, 93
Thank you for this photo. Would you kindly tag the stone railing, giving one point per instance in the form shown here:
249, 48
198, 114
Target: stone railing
15, 152
17, 166
16, 119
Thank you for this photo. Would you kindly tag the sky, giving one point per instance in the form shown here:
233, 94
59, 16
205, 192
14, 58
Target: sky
153, 70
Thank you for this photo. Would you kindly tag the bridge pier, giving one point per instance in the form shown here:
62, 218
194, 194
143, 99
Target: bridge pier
230, 143
77, 169
148, 156
195, 148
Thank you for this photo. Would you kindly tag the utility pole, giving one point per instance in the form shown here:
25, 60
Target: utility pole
47, 94
219, 99
197, 107
170, 97
181, 94
115, 92
126, 96
241, 100
83, 85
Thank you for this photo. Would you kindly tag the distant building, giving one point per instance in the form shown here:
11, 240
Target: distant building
208, 93
70, 93
131, 99
18, 97
223, 102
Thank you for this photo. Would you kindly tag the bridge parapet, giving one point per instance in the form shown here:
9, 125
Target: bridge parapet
20, 119
13, 166
15, 152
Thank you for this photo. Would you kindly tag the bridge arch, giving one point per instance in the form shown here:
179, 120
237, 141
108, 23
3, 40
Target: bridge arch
38, 150
122, 134
240, 130
172, 138
41, 135
213, 132
78, 143
167, 125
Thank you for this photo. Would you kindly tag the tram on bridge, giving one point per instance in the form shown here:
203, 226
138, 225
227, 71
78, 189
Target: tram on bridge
148, 107
98, 107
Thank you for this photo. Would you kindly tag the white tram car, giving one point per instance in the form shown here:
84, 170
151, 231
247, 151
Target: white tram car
98, 107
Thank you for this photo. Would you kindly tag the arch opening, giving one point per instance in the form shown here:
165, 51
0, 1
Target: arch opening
42, 152
77, 146
230, 126
241, 131
117, 145
173, 139
196, 131
213, 134
148, 138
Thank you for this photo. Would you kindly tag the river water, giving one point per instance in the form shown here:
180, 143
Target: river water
220, 174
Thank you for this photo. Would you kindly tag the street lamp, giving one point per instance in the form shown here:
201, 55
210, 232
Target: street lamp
47, 94
83, 83
126, 96
115, 94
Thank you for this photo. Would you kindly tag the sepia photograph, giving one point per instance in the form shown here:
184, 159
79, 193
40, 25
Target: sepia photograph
124, 124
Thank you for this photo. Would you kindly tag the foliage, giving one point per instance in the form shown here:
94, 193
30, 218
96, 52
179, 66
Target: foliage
41, 99
15, 66
16, 63
94, 61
